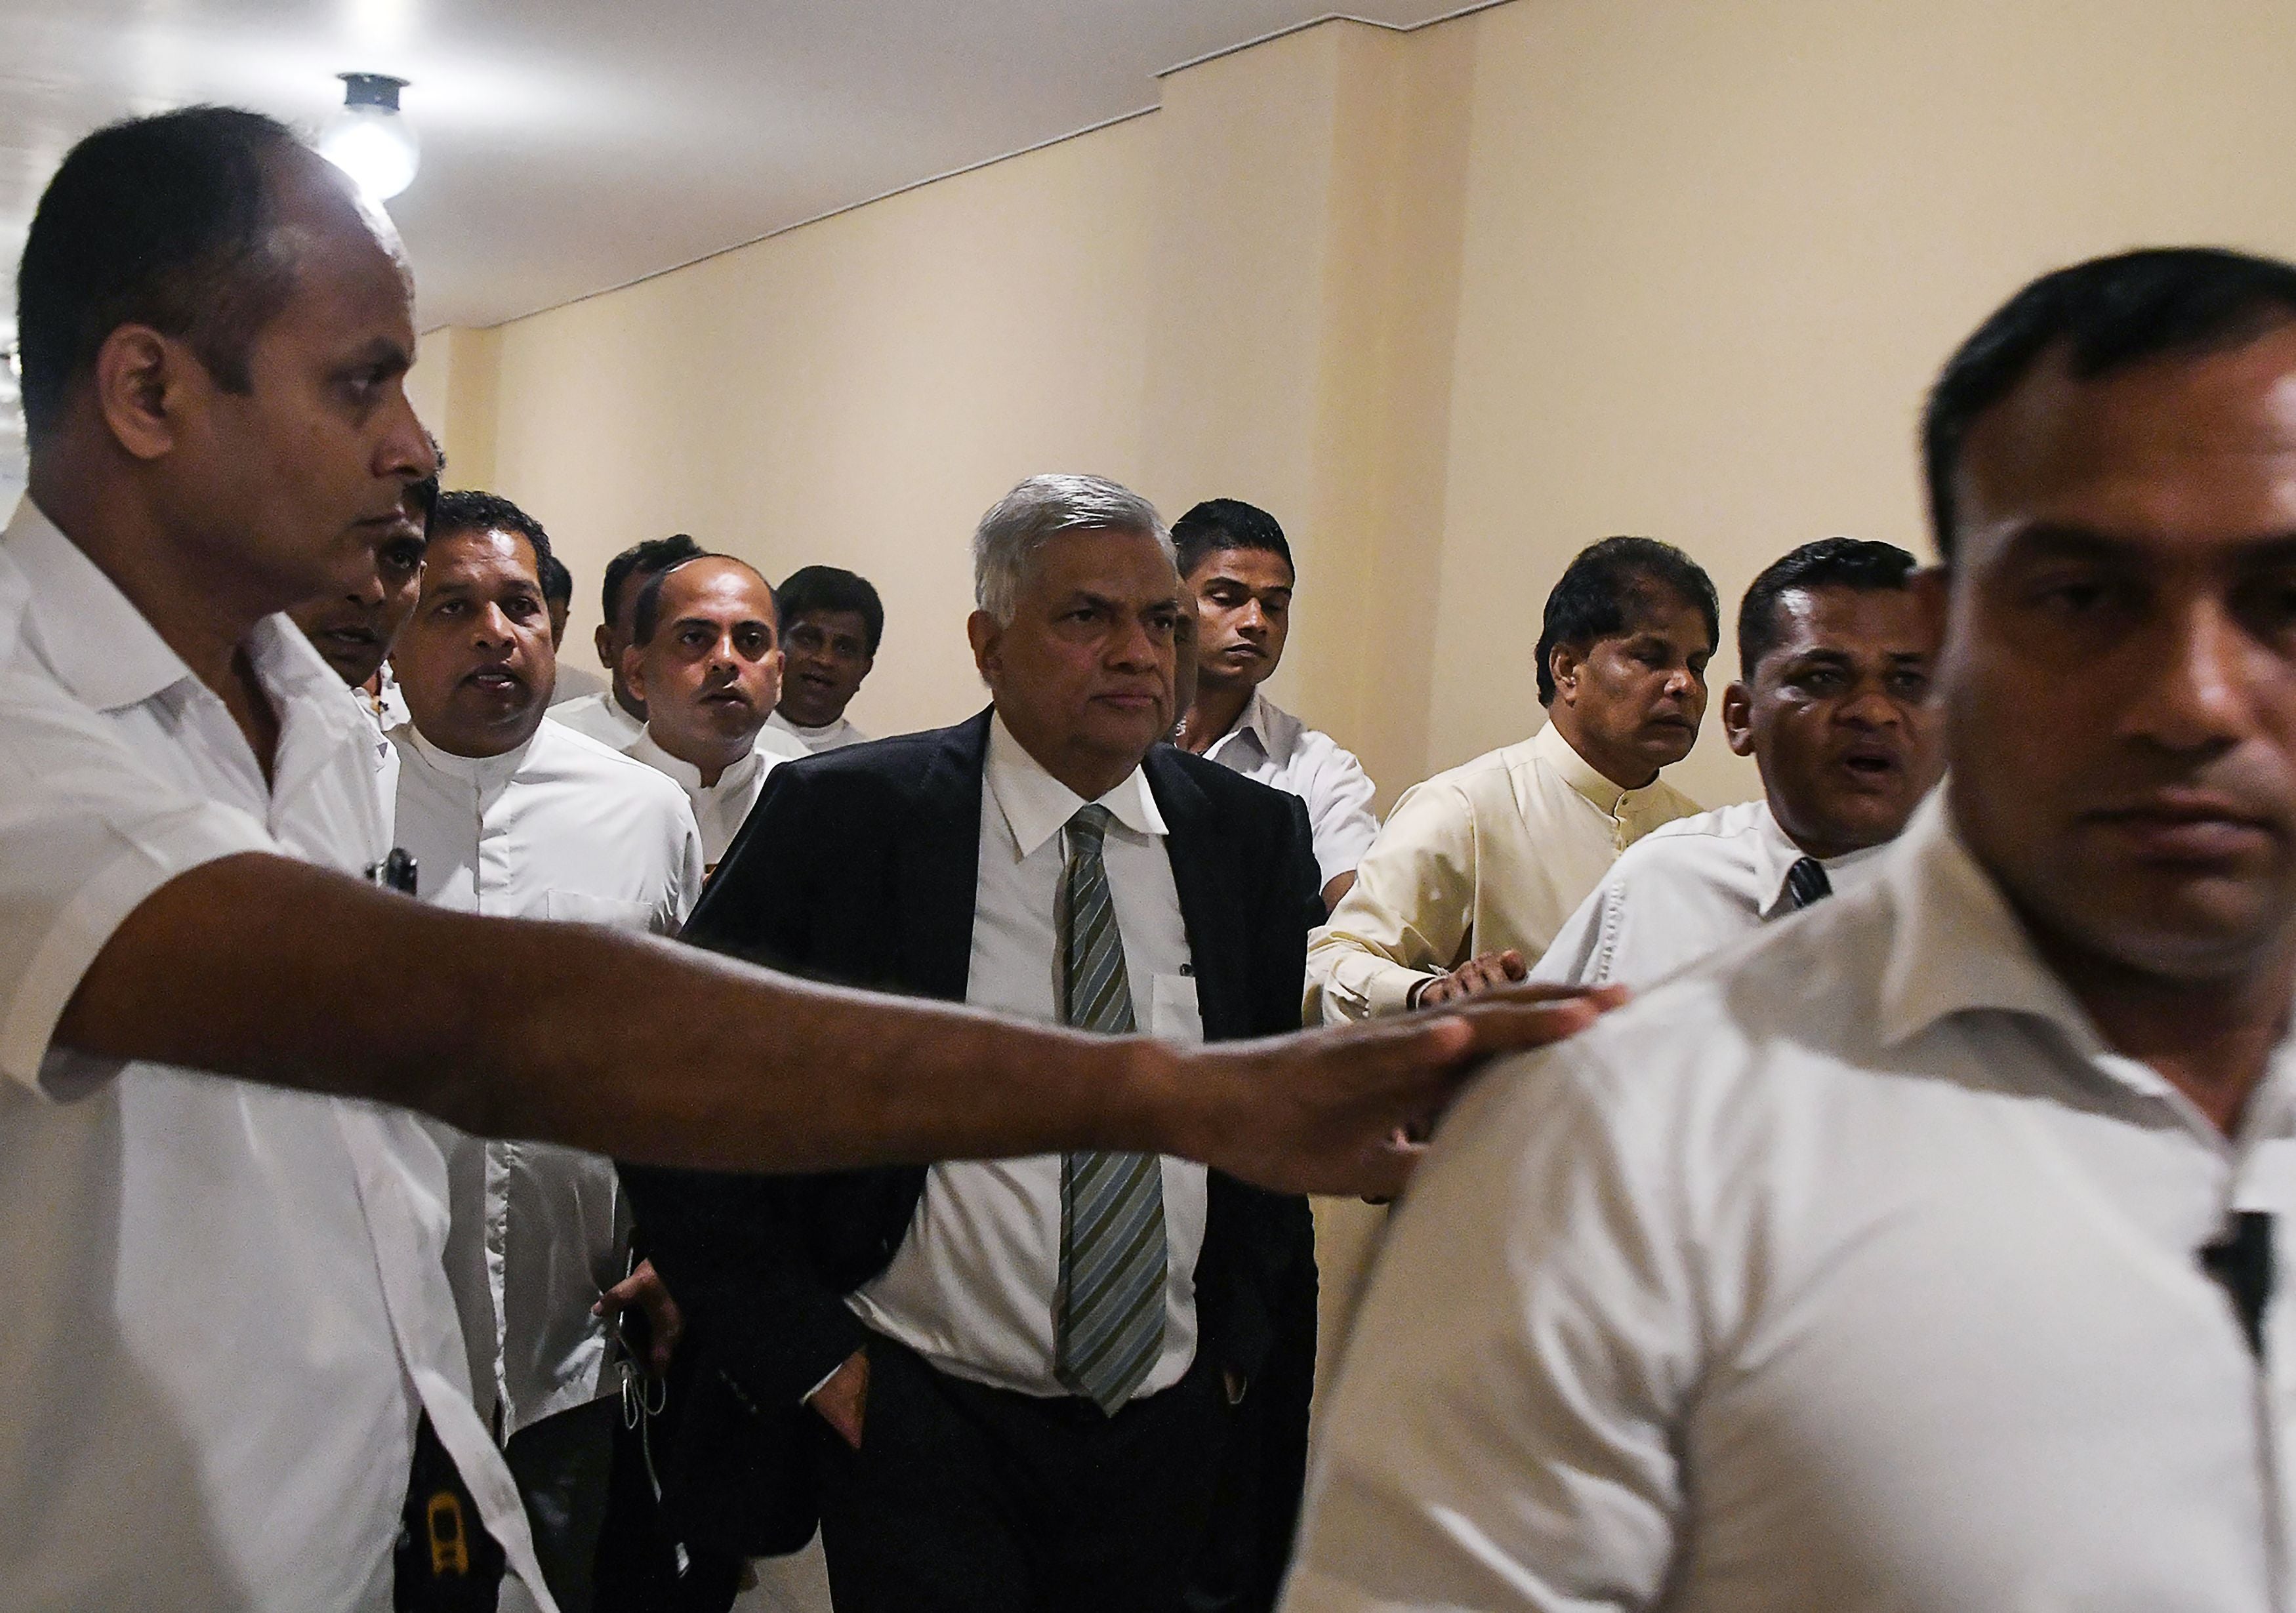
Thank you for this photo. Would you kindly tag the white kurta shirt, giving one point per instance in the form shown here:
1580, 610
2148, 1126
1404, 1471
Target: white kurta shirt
1493, 855
228, 1303
1270, 745
579, 683
1685, 890
560, 828
972, 1288
723, 807
835, 736
599, 717
1849, 1271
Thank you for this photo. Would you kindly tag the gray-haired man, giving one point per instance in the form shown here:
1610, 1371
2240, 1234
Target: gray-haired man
1020, 1384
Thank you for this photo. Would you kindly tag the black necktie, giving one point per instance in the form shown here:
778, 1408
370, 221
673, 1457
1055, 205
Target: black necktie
1806, 882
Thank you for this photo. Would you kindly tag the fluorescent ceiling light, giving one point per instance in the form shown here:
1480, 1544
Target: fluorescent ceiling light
369, 139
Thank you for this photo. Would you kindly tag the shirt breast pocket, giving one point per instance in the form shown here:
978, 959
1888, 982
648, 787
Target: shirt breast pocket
572, 908
1172, 1011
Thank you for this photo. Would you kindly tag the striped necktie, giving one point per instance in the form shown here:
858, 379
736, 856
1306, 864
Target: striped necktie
1109, 1322
1806, 882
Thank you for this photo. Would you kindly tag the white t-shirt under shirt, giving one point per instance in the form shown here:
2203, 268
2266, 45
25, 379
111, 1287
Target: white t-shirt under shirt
227, 1305
560, 828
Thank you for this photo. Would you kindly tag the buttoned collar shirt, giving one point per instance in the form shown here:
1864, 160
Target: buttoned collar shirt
559, 828
228, 1302
831, 736
1852, 1270
1687, 888
1270, 745
1493, 854
600, 716
720, 808
973, 1286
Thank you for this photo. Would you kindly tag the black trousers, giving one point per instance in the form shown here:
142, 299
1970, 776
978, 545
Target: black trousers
965, 1499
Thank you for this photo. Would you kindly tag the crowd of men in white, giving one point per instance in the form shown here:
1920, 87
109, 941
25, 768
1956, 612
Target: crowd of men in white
1908, 1240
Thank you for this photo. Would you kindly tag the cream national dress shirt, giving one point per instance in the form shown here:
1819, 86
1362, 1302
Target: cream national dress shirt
560, 828
1493, 855
971, 1287
1849, 1271
1686, 889
228, 1305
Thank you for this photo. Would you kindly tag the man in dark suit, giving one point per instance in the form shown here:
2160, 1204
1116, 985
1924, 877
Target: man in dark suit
1059, 1382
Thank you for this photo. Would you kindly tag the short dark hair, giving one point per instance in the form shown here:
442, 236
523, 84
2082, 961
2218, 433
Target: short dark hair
1218, 525
648, 559
1605, 583
812, 588
646, 618
2106, 315
163, 221
557, 582
1831, 562
463, 511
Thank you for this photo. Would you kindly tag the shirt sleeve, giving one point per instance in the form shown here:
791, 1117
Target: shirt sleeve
1338, 806
1586, 946
86, 834
1504, 1434
1409, 914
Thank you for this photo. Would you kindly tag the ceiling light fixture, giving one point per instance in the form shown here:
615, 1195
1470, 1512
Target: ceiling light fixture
369, 139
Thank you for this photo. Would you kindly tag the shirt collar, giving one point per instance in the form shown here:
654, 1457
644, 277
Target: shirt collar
1550, 746
99, 645
1960, 948
1252, 723
487, 771
688, 777
1036, 805
1775, 854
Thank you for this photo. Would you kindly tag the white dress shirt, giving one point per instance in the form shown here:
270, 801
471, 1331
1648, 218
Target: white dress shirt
1270, 745
579, 683
560, 828
720, 808
1848, 1271
227, 1301
1490, 856
600, 716
1686, 889
835, 736
971, 1287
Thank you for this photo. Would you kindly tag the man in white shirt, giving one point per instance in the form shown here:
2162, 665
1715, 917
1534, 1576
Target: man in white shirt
1475, 871
831, 623
507, 814
574, 683
1022, 1384
617, 716
227, 1224
1920, 1254
705, 656
1237, 566
1834, 651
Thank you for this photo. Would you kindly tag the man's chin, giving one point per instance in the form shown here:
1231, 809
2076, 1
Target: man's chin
2196, 929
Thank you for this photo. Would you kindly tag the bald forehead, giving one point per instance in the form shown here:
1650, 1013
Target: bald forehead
719, 582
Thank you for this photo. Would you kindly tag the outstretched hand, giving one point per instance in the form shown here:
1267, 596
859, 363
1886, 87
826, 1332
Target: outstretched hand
1488, 972
1327, 1112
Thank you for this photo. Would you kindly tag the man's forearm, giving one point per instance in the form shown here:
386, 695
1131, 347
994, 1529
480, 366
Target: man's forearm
619, 1043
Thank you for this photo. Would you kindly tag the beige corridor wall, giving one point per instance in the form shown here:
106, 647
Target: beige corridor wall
1453, 302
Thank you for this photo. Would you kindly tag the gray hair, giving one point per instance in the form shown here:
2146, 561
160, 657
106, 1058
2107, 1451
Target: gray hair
1006, 545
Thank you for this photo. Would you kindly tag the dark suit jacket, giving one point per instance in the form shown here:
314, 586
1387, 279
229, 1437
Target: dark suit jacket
859, 867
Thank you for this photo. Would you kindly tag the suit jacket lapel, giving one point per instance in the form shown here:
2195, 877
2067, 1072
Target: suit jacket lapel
1208, 883
941, 866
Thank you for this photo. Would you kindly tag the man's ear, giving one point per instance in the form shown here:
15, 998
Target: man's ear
141, 382
633, 672
1563, 663
1738, 720
602, 640
988, 641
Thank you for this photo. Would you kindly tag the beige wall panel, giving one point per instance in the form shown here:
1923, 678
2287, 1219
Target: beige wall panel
855, 392
1715, 253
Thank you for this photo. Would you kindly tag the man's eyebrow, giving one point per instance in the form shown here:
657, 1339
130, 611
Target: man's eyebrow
2064, 540
384, 353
